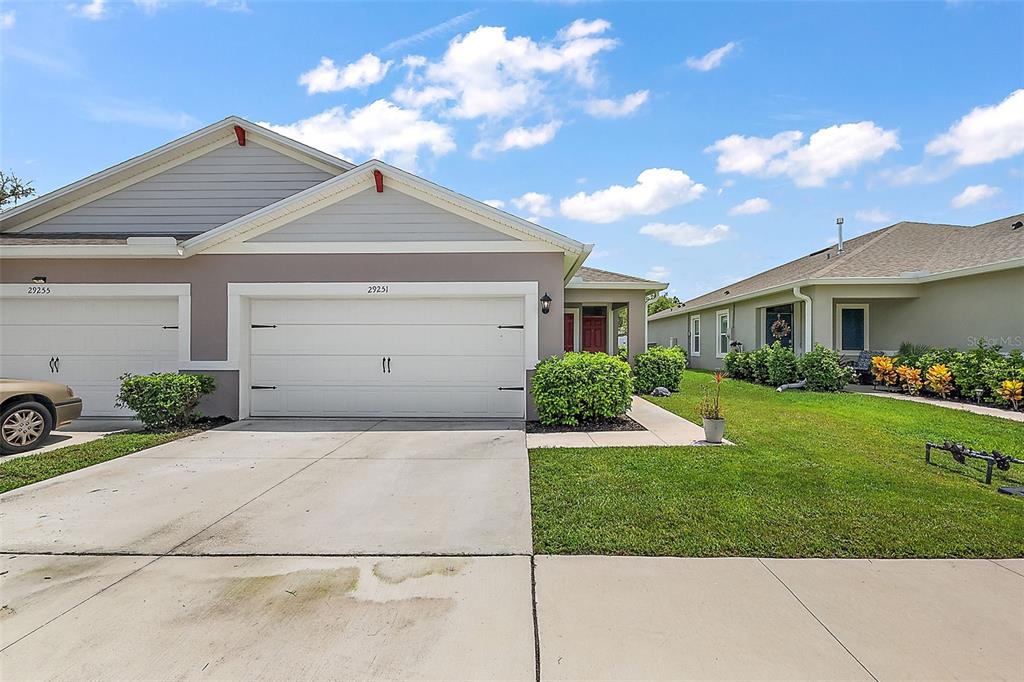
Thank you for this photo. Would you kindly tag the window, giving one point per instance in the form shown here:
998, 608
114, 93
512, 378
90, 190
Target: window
695, 335
722, 322
852, 327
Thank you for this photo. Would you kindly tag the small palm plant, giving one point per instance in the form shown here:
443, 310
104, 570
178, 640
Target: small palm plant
710, 408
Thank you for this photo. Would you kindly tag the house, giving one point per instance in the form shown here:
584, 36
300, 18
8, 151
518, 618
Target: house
942, 285
305, 284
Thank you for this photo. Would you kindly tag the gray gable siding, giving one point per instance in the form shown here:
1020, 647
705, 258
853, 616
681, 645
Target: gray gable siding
193, 197
371, 216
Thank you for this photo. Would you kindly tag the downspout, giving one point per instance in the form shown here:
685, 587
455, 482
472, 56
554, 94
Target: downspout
808, 330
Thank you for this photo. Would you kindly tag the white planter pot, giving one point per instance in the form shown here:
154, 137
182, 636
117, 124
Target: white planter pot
714, 429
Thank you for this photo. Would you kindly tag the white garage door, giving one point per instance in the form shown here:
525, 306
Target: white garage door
88, 343
440, 357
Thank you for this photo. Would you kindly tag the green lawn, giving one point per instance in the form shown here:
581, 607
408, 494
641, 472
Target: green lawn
812, 475
15, 473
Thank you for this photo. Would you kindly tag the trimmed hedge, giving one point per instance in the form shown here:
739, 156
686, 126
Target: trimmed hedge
164, 400
983, 368
580, 387
775, 365
659, 366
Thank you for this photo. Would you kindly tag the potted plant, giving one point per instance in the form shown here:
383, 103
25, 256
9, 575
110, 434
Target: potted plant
711, 412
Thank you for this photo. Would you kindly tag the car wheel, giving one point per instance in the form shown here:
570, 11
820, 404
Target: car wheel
24, 426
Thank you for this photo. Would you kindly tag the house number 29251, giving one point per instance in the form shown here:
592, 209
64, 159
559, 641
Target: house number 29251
377, 289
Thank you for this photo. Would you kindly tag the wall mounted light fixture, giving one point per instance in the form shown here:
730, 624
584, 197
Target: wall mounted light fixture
39, 279
545, 303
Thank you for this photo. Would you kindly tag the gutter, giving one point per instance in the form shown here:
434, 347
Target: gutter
808, 320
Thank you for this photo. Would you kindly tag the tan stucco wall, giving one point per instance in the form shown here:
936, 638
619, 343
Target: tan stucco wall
209, 277
954, 313
745, 318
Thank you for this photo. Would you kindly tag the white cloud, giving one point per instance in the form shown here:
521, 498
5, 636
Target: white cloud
713, 59
973, 194
656, 189
685, 234
327, 77
658, 273
521, 138
610, 108
535, 205
751, 207
487, 74
985, 134
496, 203
380, 129
915, 175
429, 33
149, 6
7, 19
874, 215
581, 28
420, 98
828, 153
93, 10
228, 5
148, 116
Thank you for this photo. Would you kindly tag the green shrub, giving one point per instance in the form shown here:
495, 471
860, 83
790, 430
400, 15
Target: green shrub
659, 366
623, 353
781, 364
936, 356
820, 367
166, 400
737, 364
977, 368
581, 387
758, 364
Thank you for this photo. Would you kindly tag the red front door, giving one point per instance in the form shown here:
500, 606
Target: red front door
569, 336
595, 334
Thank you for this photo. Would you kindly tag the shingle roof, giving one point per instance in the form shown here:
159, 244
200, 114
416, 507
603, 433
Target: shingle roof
604, 276
892, 251
75, 238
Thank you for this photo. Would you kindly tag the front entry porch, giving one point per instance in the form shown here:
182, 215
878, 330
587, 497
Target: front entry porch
595, 328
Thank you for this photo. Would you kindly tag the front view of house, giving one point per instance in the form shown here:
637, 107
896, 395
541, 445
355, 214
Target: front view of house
306, 285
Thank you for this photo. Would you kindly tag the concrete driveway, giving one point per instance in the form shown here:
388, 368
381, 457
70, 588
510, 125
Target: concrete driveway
401, 550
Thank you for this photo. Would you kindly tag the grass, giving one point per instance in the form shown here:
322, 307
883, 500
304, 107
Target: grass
22, 471
812, 475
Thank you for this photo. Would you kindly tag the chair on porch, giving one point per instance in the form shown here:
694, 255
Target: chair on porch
861, 366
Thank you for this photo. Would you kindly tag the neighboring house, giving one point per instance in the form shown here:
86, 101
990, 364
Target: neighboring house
306, 285
943, 285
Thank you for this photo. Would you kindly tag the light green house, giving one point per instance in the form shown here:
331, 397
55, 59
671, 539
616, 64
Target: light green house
942, 285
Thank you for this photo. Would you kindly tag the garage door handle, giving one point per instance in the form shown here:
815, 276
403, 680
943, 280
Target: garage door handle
263, 388
57, 364
53, 363
383, 365
510, 388
389, 365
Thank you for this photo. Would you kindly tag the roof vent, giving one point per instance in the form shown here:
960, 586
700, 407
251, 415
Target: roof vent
839, 224
1017, 225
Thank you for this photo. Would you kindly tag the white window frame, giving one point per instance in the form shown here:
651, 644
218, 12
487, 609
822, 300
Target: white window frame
695, 335
718, 332
839, 326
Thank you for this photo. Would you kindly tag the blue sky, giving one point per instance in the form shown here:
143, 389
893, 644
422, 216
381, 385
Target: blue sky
698, 143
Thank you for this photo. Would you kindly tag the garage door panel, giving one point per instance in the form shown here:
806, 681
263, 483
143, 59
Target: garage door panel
448, 357
387, 339
385, 311
96, 341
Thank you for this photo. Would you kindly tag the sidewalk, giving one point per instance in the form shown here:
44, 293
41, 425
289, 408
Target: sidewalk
948, 404
663, 428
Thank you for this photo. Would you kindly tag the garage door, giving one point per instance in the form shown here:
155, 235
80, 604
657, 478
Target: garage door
441, 357
88, 343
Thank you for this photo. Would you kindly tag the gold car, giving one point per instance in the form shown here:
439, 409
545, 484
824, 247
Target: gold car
29, 410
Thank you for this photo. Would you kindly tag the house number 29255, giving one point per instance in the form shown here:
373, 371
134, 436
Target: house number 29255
377, 289
39, 290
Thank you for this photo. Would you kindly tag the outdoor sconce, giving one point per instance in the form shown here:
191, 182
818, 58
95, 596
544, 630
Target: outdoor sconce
545, 303
39, 279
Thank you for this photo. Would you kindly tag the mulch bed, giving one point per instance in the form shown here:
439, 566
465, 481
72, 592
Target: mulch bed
622, 423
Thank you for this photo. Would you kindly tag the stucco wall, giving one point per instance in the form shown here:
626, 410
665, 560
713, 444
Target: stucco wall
636, 301
209, 277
